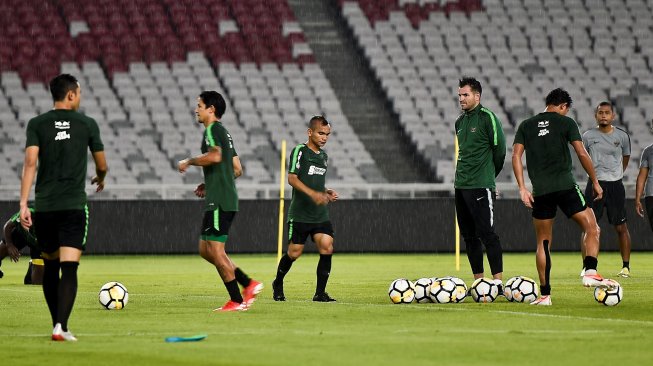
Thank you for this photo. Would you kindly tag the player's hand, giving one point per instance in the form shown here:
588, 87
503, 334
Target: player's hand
100, 183
200, 191
12, 252
320, 198
25, 218
526, 197
598, 191
639, 208
183, 165
333, 195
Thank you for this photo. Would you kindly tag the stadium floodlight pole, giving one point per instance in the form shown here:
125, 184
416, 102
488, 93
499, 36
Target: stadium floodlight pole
455, 214
282, 191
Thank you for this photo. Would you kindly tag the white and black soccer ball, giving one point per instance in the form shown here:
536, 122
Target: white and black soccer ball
423, 290
113, 296
524, 289
507, 288
484, 290
401, 291
443, 291
609, 297
461, 288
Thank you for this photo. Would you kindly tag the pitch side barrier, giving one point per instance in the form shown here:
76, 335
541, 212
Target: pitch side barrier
377, 225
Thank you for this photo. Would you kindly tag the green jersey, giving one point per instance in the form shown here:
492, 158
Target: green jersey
63, 137
28, 235
481, 149
311, 168
219, 179
546, 139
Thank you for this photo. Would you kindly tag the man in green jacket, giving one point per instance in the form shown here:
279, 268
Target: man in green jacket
481, 152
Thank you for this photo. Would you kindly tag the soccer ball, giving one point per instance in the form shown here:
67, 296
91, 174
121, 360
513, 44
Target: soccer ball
484, 290
507, 288
443, 291
609, 297
524, 289
401, 291
423, 290
113, 296
461, 289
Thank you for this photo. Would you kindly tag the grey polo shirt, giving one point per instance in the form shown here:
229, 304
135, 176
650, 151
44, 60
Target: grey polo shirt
607, 151
647, 162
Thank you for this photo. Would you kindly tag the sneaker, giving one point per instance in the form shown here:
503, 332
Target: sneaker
323, 297
59, 335
277, 291
543, 301
232, 306
582, 273
596, 280
625, 272
250, 292
501, 291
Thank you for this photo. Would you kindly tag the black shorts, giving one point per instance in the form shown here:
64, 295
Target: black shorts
614, 200
570, 201
299, 231
216, 224
66, 228
18, 238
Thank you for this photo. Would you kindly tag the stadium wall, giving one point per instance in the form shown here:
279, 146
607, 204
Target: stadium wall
420, 225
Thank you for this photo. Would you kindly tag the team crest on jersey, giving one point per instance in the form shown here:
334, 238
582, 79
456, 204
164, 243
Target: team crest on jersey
62, 125
617, 143
472, 130
543, 124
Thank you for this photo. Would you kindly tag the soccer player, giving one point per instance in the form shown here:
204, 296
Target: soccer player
58, 140
481, 152
221, 167
15, 238
545, 138
644, 179
308, 214
609, 148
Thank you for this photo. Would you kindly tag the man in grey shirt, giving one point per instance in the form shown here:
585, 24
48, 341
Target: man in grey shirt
645, 177
609, 147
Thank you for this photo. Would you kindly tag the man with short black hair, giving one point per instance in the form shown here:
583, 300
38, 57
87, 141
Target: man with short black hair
59, 140
481, 152
221, 166
545, 138
308, 214
609, 148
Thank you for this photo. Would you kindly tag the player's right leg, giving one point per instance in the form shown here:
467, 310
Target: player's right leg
543, 235
591, 232
615, 203
213, 252
482, 205
297, 234
473, 246
323, 237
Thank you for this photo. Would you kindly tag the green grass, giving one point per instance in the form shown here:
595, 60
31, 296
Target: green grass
174, 295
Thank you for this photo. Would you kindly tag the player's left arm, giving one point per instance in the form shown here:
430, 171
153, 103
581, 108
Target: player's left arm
29, 173
497, 142
586, 162
238, 168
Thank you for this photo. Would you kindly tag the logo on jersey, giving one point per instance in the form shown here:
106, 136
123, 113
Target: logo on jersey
313, 170
472, 130
61, 125
543, 124
62, 135
617, 143
543, 132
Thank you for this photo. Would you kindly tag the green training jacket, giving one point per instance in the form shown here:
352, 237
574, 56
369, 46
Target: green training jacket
481, 149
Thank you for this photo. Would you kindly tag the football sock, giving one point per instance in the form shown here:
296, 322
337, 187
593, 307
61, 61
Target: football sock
474, 254
547, 266
323, 271
545, 289
28, 276
234, 292
626, 264
67, 293
51, 286
284, 266
590, 263
242, 278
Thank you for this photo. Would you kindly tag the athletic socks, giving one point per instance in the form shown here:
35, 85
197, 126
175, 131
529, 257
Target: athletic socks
234, 291
284, 266
545, 290
51, 286
242, 278
590, 263
626, 264
67, 293
323, 271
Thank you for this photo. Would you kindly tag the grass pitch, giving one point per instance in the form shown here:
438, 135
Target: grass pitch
174, 295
